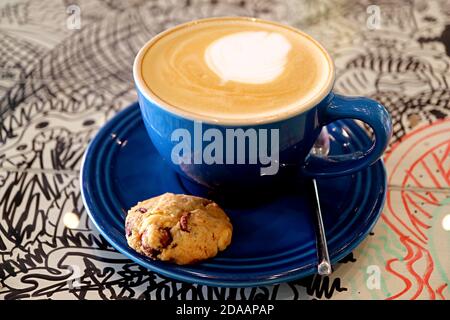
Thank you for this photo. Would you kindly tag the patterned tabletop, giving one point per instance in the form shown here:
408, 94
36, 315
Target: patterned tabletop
65, 69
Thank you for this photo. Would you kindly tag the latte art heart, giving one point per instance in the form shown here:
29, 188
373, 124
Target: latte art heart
249, 57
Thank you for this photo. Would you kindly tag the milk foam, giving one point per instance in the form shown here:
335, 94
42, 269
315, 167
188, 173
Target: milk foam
253, 57
235, 70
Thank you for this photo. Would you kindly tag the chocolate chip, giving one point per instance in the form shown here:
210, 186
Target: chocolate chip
154, 253
151, 252
184, 221
142, 210
205, 202
148, 250
166, 237
127, 229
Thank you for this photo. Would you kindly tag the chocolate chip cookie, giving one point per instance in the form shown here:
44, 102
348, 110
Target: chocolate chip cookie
178, 228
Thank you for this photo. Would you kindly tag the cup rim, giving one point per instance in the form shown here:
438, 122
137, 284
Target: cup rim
149, 95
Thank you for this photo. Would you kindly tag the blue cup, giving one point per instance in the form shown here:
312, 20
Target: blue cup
296, 132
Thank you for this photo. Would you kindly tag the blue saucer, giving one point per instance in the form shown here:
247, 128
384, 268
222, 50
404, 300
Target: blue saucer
273, 241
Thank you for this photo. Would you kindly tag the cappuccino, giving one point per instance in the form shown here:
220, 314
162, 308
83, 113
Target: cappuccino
235, 68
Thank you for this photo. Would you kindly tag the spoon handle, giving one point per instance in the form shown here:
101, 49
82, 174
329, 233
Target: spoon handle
324, 266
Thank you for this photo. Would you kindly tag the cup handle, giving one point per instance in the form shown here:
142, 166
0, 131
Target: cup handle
364, 109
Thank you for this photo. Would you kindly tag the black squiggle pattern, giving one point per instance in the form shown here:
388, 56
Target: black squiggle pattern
55, 93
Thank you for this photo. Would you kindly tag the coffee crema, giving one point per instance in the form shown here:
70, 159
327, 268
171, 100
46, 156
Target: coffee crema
235, 68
